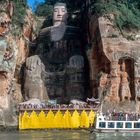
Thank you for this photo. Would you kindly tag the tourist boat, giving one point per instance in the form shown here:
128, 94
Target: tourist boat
104, 124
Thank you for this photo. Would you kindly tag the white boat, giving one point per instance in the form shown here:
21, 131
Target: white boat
102, 124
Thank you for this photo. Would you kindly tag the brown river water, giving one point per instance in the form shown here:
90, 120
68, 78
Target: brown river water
65, 135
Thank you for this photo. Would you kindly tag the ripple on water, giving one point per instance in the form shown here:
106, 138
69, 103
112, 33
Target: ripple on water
65, 135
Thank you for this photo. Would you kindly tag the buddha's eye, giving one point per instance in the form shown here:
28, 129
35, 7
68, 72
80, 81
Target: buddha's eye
55, 10
63, 10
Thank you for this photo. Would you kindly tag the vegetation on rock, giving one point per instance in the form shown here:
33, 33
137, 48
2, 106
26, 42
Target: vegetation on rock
126, 12
19, 11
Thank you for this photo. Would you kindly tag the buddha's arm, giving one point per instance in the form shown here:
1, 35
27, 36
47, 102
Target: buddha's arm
44, 34
44, 31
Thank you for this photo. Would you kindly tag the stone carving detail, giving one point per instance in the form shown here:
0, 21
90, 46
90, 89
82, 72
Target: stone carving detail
125, 88
116, 85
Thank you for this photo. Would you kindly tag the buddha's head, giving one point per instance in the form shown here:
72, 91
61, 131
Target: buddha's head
59, 13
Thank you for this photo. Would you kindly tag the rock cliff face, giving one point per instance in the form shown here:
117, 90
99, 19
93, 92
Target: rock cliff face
13, 51
114, 62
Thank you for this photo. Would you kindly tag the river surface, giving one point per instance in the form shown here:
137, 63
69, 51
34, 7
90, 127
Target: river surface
65, 135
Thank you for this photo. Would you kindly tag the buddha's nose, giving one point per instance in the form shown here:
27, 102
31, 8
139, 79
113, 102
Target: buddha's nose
59, 13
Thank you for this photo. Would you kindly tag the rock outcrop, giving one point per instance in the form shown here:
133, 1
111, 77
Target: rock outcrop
13, 52
117, 56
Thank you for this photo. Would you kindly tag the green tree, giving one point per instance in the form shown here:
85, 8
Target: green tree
44, 9
126, 12
19, 14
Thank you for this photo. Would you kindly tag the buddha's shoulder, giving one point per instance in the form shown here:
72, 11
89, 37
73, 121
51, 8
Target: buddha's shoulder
45, 30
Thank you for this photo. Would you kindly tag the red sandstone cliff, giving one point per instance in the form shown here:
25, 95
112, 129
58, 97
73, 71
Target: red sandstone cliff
116, 55
14, 49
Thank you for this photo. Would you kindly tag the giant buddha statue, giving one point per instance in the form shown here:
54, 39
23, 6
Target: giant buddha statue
57, 69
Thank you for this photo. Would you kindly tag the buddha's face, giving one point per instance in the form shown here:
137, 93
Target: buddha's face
60, 14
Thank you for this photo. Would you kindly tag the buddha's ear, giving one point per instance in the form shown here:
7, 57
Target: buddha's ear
65, 17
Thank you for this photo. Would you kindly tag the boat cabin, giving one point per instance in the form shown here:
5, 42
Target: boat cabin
103, 124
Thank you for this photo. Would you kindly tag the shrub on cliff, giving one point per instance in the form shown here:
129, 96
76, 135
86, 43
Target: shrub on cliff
126, 12
43, 9
19, 14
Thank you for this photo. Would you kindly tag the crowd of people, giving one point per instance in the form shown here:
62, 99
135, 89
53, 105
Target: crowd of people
52, 106
121, 116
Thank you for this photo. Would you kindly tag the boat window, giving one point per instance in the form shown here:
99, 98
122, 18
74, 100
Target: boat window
128, 125
102, 124
136, 125
119, 124
111, 125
